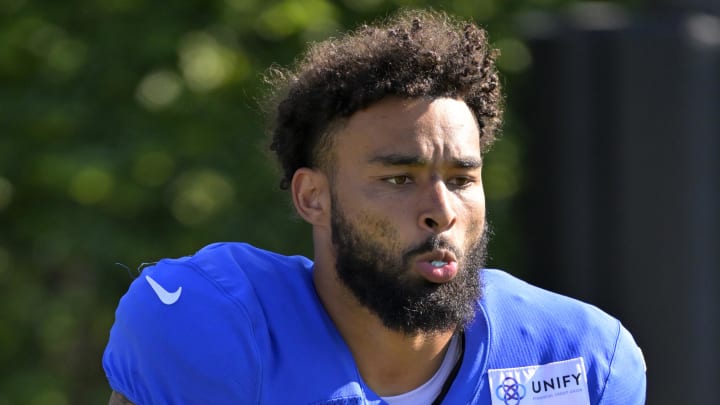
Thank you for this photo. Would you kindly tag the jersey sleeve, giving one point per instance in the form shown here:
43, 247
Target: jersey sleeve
178, 337
626, 380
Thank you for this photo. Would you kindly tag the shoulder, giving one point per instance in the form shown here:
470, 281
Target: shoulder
187, 324
532, 326
227, 282
231, 276
512, 304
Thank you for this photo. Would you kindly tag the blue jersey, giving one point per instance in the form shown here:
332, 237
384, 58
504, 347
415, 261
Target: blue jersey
234, 324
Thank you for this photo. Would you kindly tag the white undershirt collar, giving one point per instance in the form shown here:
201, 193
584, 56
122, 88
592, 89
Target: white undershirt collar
426, 393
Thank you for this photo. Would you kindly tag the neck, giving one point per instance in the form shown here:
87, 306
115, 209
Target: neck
390, 362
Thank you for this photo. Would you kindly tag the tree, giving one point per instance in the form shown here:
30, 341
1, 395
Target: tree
130, 130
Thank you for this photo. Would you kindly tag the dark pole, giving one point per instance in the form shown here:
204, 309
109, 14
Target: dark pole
701, 6
624, 178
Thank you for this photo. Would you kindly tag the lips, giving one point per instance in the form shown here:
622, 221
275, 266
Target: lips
439, 266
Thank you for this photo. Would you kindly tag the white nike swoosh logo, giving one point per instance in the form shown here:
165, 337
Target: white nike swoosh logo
167, 297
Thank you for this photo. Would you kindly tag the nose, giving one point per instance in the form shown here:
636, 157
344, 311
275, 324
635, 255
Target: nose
437, 214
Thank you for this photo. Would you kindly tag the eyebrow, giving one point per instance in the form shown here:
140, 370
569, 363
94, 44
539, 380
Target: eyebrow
394, 159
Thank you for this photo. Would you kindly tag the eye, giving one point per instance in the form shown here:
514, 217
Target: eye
460, 181
399, 180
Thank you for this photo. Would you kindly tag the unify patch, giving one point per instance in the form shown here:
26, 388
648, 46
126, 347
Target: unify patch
559, 383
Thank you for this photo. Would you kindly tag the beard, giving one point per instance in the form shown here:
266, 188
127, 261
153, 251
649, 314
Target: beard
382, 280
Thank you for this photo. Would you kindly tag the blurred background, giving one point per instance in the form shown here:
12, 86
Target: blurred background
130, 130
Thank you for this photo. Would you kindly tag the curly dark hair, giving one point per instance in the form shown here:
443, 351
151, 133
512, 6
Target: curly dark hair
412, 54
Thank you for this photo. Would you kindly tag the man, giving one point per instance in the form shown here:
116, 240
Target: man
380, 135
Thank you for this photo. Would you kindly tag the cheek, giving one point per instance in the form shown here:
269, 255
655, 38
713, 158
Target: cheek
475, 231
472, 206
378, 229
473, 215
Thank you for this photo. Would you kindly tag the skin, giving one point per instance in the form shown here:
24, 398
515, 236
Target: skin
415, 166
117, 398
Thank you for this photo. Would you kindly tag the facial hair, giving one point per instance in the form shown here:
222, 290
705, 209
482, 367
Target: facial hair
382, 280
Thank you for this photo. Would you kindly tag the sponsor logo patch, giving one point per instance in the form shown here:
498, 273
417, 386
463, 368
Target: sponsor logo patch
559, 383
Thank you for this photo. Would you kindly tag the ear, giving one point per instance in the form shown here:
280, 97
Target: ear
311, 196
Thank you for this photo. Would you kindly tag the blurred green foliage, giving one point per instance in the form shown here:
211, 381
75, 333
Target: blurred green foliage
130, 131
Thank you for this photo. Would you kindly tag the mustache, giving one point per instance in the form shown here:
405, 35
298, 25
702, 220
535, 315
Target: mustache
430, 244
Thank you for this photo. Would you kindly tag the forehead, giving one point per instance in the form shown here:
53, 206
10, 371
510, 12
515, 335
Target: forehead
429, 128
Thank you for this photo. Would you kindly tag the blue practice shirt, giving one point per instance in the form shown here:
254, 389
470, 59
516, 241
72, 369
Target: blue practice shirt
234, 324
